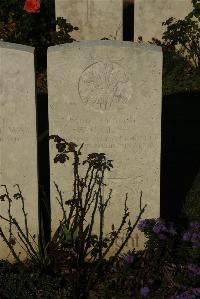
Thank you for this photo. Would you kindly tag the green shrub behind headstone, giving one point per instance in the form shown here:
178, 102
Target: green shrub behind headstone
191, 207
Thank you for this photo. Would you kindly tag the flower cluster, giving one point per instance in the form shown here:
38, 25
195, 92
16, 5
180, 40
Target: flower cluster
145, 224
144, 291
128, 258
192, 293
193, 234
193, 270
158, 227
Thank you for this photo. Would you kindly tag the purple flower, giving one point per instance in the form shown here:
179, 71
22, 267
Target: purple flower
196, 291
189, 294
143, 224
159, 228
144, 291
194, 269
195, 225
187, 236
129, 258
172, 231
184, 295
195, 237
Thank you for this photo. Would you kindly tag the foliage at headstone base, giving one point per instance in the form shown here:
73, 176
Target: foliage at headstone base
153, 273
73, 249
166, 268
87, 248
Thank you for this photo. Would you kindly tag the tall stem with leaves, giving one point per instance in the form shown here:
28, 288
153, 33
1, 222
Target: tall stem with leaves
84, 240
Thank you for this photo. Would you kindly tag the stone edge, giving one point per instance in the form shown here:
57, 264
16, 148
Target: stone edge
13, 46
94, 43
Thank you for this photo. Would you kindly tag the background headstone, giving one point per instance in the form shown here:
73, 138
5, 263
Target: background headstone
96, 19
108, 95
149, 15
18, 144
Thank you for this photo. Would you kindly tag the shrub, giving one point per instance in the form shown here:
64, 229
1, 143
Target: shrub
36, 30
181, 52
191, 206
167, 268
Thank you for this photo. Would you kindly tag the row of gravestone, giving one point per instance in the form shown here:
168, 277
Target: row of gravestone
105, 94
99, 19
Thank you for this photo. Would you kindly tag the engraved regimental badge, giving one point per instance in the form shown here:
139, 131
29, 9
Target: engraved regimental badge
104, 85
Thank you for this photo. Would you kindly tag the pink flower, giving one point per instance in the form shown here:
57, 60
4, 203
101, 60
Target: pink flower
32, 6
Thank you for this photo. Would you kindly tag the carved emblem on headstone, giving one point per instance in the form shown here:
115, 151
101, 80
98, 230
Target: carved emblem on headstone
103, 85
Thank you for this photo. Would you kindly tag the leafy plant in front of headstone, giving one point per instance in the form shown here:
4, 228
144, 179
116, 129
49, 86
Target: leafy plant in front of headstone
167, 266
72, 243
23, 238
75, 238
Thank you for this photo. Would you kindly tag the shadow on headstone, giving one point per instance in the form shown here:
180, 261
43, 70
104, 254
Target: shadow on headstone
180, 150
18, 147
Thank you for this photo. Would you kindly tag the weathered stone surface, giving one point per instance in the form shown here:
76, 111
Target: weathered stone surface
108, 96
18, 147
95, 19
149, 15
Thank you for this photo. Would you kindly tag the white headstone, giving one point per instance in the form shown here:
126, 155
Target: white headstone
96, 19
18, 145
108, 96
149, 15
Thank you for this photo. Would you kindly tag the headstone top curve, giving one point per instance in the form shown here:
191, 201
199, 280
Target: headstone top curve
95, 43
14, 46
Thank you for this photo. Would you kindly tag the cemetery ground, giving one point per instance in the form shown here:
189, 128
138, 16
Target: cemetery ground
168, 267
